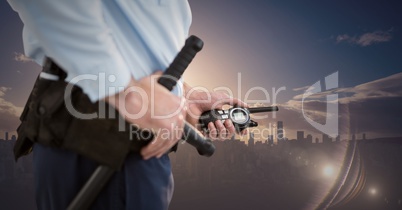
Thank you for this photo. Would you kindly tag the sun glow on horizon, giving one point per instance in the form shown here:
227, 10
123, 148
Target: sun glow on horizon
328, 171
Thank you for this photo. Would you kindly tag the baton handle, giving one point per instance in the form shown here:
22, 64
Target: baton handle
169, 79
204, 146
176, 69
88, 193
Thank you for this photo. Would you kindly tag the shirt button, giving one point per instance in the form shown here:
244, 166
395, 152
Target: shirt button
42, 110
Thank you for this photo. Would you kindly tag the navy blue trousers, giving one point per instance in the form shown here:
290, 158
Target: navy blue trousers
140, 185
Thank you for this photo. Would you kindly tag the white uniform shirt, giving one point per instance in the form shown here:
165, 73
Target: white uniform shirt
100, 38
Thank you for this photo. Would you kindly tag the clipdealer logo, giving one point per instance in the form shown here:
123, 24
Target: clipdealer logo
330, 127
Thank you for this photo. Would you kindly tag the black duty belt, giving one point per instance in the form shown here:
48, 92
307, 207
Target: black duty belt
47, 121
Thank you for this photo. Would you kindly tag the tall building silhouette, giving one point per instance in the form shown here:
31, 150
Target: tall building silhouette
326, 139
6, 136
270, 139
309, 138
300, 135
251, 140
279, 131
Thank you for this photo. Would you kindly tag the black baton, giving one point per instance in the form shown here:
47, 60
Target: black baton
102, 174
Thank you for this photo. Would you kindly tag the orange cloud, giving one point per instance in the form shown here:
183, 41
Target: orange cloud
9, 113
366, 39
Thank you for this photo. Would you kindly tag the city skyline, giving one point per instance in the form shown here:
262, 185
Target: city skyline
280, 136
7, 136
277, 134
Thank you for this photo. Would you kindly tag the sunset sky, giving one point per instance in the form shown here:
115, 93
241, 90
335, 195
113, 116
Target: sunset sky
268, 44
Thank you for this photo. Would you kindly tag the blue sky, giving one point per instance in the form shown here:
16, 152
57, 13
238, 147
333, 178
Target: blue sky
276, 43
297, 39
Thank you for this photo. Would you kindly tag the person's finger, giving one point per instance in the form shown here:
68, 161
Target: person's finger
244, 132
158, 149
162, 143
230, 128
155, 147
164, 149
229, 101
176, 135
212, 130
221, 129
238, 102
179, 130
151, 149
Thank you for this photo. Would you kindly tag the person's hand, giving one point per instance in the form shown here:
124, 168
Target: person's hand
199, 102
148, 105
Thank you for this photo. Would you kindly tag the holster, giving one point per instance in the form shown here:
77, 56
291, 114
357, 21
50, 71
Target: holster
46, 120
